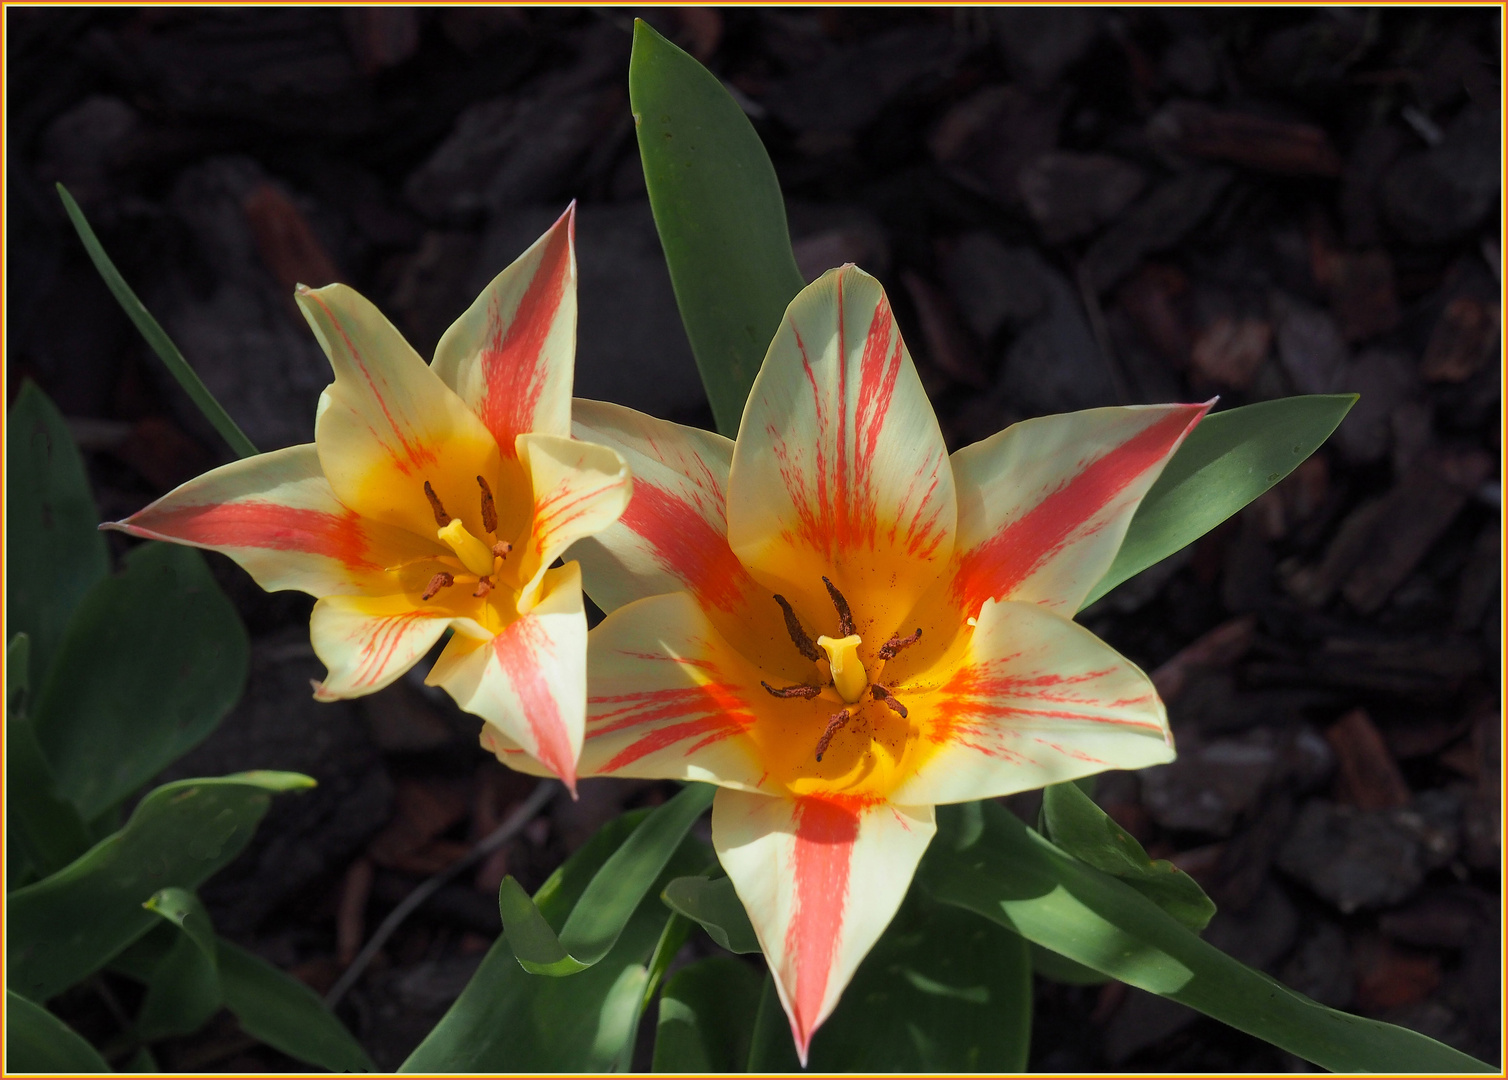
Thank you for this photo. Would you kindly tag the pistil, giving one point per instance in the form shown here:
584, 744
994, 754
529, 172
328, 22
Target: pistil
849, 676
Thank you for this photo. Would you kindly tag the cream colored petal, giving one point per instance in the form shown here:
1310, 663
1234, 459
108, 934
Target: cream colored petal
367, 642
840, 468
511, 355
276, 516
579, 489
821, 880
529, 682
388, 424
1033, 699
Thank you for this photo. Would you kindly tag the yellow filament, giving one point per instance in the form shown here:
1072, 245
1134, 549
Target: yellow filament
474, 555
849, 677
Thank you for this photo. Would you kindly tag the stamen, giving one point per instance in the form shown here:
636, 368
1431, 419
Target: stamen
442, 519
440, 581
489, 510
501, 549
896, 644
801, 690
883, 694
804, 645
483, 587
834, 726
845, 613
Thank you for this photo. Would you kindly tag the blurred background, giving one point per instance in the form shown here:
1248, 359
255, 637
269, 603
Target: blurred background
1069, 208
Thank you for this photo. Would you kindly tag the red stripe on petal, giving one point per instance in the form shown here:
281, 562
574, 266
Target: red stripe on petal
992, 569
520, 650
687, 545
257, 523
714, 712
513, 363
825, 836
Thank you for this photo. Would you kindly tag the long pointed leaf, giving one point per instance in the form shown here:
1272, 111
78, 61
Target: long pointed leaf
1225, 463
707, 1017
720, 215
184, 990
985, 860
156, 336
37, 1041
609, 901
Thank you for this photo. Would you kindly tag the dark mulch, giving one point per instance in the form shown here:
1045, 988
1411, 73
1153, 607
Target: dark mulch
1070, 208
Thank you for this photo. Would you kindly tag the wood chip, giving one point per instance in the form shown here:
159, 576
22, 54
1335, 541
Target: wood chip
284, 240
1219, 648
1257, 142
1465, 339
1369, 778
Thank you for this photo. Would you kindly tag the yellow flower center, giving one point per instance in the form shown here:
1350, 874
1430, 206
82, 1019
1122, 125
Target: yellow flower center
849, 677
474, 555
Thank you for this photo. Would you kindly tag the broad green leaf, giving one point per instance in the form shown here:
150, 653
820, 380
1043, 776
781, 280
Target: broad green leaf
672, 937
54, 552
707, 1017
1059, 968
68, 925
284, 1013
1076, 825
507, 1020
184, 990
611, 898
38, 1042
942, 991
156, 336
1225, 463
39, 822
716, 906
995, 866
720, 215
154, 658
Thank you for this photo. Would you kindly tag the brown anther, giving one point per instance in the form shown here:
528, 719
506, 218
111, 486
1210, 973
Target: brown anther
834, 726
440, 581
489, 510
801, 690
483, 587
845, 613
804, 645
442, 519
501, 549
882, 694
896, 644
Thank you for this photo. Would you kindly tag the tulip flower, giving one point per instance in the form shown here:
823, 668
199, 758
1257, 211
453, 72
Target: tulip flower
434, 497
842, 626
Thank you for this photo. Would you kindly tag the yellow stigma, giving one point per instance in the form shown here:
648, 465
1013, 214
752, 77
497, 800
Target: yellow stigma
849, 676
474, 555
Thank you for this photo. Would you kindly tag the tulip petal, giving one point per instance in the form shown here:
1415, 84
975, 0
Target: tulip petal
367, 642
674, 533
388, 424
511, 355
1044, 504
820, 879
276, 516
840, 468
579, 489
668, 697
529, 681
1031, 698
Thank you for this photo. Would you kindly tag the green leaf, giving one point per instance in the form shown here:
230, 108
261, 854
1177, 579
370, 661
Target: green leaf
507, 1020
942, 991
716, 906
721, 218
1225, 463
184, 990
706, 1017
772, 1048
998, 868
154, 658
54, 552
1059, 968
66, 926
672, 937
38, 1042
156, 336
39, 822
1076, 825
611, 898
284, 1013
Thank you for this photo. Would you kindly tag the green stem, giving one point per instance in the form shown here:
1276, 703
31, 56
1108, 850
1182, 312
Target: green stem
156, 336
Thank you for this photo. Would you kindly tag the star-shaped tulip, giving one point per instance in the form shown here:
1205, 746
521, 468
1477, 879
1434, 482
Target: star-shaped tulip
843, 626
434, 497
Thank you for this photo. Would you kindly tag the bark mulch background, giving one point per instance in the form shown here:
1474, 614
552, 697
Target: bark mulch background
1069, 208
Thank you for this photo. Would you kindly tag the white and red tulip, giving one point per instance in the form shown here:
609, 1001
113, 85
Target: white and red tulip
765, 598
